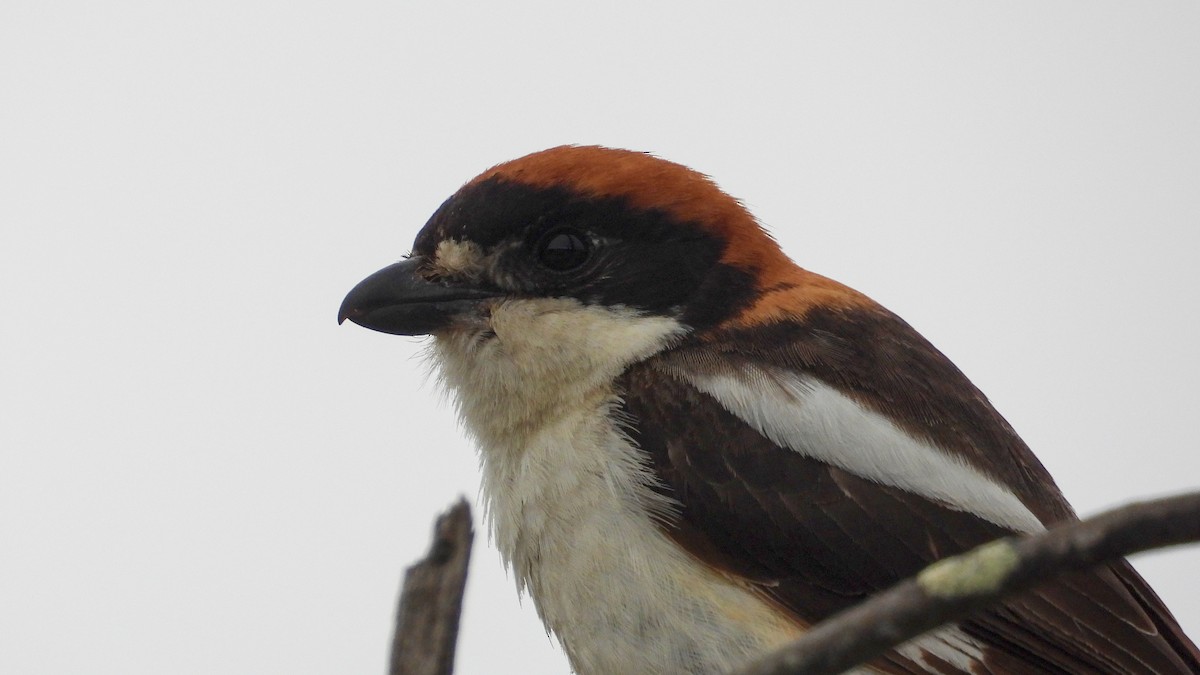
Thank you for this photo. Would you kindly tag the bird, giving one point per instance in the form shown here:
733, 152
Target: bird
693, 449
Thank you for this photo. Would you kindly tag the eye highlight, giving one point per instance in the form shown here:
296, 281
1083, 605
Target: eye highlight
563, 250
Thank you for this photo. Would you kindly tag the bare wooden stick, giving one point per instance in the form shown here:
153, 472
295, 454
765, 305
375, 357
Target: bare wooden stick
431, 601
952, 588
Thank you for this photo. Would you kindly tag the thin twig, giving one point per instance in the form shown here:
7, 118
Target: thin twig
431, 601
952, 588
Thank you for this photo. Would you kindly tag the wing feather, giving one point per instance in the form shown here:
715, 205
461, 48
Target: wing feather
815, 537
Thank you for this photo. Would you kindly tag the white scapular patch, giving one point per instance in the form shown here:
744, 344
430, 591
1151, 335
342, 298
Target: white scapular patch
570, 499
806, 415
949, 644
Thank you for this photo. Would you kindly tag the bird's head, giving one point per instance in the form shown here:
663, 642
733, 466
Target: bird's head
587, 230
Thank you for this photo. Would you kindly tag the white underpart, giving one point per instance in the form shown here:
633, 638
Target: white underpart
806, 415
569, 501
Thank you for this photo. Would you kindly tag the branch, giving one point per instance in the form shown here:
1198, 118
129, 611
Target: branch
431, 601
952, 588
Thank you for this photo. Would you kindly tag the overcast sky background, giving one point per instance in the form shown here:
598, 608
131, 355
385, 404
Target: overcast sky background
200, 472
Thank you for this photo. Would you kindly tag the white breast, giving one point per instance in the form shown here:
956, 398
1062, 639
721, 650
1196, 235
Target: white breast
574, 519
569, 500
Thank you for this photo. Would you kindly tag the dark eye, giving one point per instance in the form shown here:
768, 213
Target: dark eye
562, 250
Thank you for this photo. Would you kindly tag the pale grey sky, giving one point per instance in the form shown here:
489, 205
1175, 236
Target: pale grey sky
200, 472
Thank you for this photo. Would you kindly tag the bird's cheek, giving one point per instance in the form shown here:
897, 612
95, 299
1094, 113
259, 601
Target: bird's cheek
547, 322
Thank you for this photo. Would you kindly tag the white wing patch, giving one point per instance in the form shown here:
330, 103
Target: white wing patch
949, 644
810, 417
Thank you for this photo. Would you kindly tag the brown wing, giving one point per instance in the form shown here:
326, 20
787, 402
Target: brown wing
817, 538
